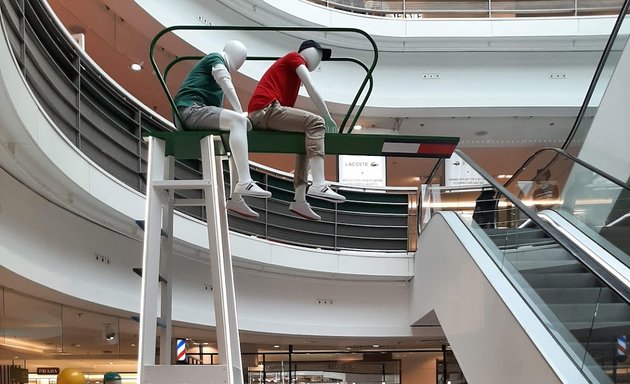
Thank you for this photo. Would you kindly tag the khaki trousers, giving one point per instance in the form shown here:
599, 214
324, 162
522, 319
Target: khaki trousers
276, 117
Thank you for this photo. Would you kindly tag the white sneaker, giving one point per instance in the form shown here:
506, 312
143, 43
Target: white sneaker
304, 210
251, 189
325, 193
240, 207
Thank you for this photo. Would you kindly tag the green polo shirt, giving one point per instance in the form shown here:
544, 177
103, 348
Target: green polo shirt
199, 87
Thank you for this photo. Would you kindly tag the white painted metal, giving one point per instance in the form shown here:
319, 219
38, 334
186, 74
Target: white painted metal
185, 374
228, 342
181, 184
151, 256
189, 202
159, 213
166, 307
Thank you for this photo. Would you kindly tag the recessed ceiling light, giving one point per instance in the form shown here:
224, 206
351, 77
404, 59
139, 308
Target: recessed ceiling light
276, 346
481, 133
136, 67
358, 127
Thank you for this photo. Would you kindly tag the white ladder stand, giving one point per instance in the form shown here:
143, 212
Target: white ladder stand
156, 263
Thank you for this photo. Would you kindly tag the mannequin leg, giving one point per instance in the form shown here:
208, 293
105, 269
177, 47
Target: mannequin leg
236, 124
233, 176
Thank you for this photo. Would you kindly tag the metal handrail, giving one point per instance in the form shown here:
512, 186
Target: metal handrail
561, 152
250, 28
574, 249
598, 72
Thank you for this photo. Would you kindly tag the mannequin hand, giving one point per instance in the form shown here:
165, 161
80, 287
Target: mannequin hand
331, 127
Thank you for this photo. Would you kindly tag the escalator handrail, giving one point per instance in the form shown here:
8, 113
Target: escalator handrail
575, 250
598, 72
562, 152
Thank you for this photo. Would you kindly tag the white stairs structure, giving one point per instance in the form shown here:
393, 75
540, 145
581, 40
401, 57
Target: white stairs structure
156, 261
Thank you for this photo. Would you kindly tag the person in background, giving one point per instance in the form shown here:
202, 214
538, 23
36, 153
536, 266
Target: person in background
544, 190
272, 108
199, 102
486, 209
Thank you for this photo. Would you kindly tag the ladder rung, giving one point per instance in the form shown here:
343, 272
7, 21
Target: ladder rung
189, 202
181, 184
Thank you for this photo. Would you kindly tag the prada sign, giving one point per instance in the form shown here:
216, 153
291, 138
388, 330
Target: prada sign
47, 371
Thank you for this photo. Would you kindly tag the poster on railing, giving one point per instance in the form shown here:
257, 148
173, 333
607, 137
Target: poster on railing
366, 171
459, 173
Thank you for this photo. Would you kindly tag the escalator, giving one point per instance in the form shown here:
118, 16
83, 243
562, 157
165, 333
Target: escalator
571, 296
571, 292
587, 199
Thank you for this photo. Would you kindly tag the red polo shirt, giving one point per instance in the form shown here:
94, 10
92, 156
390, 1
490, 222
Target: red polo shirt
280, 82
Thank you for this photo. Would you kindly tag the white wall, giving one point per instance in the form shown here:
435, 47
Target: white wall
57, 249
608, 139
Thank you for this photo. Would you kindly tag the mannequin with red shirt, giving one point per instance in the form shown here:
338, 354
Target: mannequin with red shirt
272, 108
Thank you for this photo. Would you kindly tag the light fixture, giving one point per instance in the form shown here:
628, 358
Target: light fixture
276, 346
358, 127
136, 67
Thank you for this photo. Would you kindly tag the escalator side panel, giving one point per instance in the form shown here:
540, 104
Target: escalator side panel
481, 313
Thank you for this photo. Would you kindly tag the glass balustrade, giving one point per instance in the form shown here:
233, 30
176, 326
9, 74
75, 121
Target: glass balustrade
591, 200
585, 311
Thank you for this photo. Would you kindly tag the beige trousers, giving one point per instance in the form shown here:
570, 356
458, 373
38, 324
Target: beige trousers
276, 117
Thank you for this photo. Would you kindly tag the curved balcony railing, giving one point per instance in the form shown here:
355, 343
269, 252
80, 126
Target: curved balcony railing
411, 9
106, 124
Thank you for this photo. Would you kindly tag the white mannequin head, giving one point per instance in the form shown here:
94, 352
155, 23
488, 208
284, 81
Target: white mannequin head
313, 57
234, 53
313, 53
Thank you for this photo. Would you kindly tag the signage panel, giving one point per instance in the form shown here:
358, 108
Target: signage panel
48, 371
366, 171
459, 173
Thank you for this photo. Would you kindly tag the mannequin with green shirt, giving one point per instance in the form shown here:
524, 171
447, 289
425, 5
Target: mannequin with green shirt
199, 102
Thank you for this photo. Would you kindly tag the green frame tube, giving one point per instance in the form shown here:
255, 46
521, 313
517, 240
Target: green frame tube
368, 76
262, 58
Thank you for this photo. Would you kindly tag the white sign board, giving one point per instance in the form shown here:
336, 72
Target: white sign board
366, 171
458, 173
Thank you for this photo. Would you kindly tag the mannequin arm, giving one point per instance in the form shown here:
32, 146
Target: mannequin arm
222, 77
305, 77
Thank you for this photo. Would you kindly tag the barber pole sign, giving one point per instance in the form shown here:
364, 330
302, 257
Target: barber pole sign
621, 348
181, 351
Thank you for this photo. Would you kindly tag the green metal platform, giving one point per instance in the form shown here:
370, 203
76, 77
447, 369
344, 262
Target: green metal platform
185, 144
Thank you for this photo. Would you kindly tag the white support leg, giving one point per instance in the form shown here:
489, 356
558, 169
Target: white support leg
166, 302
228, 343
151, 257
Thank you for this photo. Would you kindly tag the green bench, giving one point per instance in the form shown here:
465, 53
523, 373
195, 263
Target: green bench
185, 144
